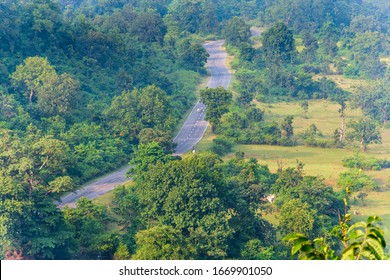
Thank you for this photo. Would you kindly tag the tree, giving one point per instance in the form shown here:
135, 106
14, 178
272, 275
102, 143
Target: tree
58, 95
186, 15
121, 252
162, 243
191, 55
89, 223
297, 217
32, 178
278, 44
135, 110
366, 132
217, 101
147, 154
32, 74
374, 101
236, 32
305, 107
287, 127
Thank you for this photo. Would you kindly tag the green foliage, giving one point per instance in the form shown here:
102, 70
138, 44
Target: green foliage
278, 44
217, 101
296, 216
162, 243
374, 100
135, 110
254, 250
356, 180
365, 131
365, 163
221, 146
89, 223
147, 154
236, 32
121, 252
191, 55
32, 74
361, 241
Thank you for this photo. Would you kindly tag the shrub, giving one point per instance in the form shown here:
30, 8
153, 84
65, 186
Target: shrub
365, 163
221, 146
356, 180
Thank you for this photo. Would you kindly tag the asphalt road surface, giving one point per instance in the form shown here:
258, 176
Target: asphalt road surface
190, 134
195, 126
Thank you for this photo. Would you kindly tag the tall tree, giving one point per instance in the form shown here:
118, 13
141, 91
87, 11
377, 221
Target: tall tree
32, 74
236, 32
278, 44
217, 101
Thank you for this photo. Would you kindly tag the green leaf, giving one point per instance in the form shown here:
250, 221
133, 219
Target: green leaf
372, 219
375, 247
378, 233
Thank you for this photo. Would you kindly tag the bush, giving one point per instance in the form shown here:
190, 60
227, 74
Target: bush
365, 163
221, 146
356, 180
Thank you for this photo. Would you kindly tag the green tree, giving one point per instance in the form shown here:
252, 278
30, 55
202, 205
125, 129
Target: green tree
374, 101
89, 223
236, 32
217, 101
135, 110
365, 132
32, 74
287, 127
305, 106
162, 243
297, 217
121, 252
59, 95
32, 178
191, 55
278, 44
147, 154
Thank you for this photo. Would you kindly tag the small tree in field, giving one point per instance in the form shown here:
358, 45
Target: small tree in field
366, 132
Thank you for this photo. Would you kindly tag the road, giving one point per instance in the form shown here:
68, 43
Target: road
190, 134
195, 125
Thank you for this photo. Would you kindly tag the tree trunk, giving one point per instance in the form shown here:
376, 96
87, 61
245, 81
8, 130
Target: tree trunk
342, 128
31, 95
363, 146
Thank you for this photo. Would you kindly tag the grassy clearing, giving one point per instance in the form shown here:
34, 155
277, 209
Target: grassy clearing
343, 82
323, 113
318, 162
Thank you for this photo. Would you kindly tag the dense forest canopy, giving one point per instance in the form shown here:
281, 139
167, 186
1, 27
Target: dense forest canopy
87, 85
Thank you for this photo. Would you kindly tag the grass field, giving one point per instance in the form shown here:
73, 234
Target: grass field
342, 82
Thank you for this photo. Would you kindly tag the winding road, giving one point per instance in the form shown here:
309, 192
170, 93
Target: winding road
195, 125
189, 135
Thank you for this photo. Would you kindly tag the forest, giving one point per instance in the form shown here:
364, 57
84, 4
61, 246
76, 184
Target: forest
88, 86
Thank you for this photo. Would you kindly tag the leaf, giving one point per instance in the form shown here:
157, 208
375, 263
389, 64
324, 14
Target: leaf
349, 252
356, 234
379, 234
375, 247
372, 219
357, 225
